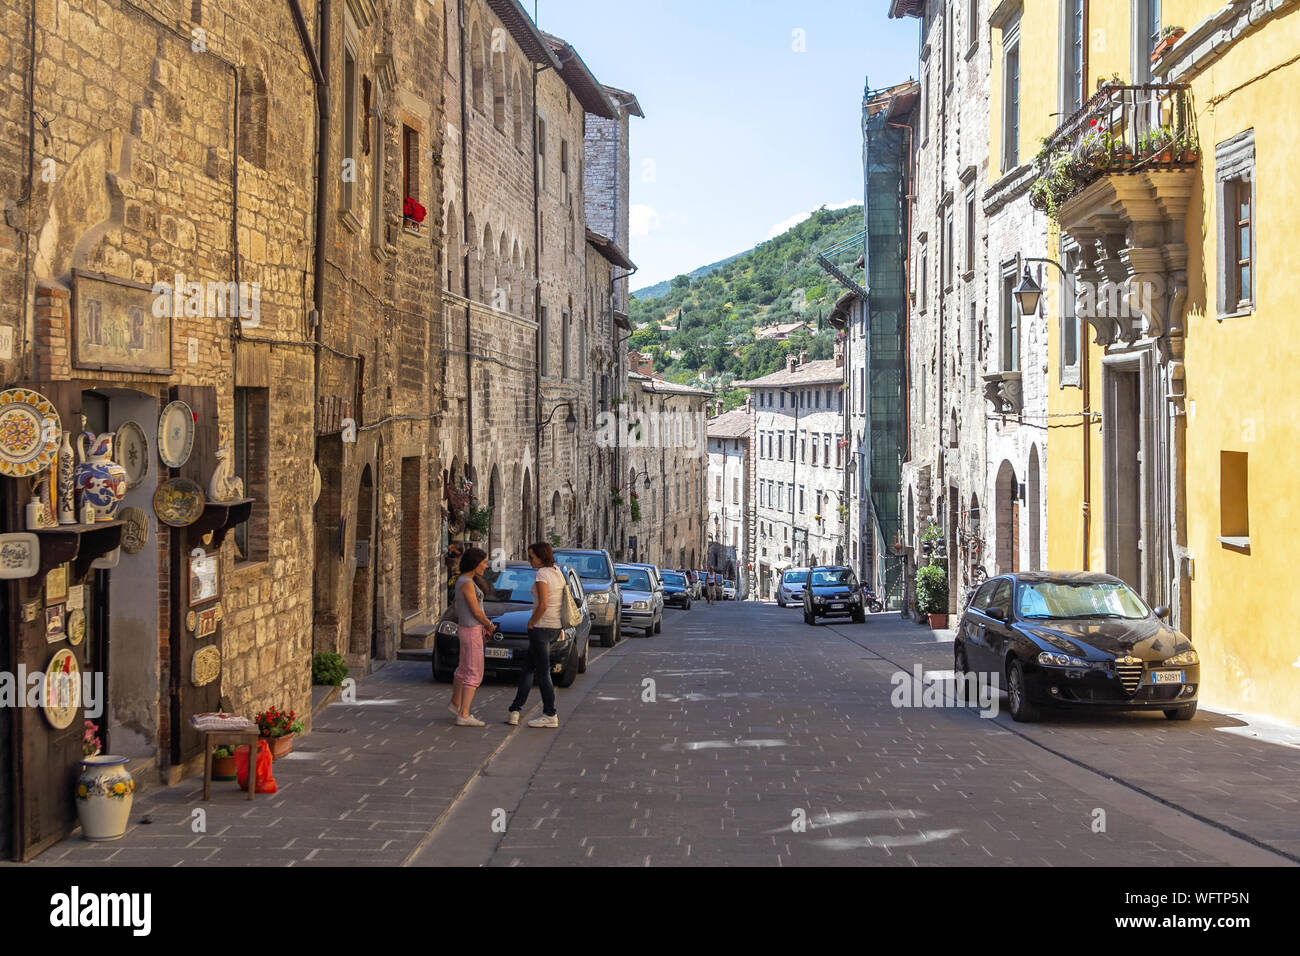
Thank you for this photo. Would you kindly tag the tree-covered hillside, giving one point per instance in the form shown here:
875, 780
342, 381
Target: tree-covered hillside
702, 331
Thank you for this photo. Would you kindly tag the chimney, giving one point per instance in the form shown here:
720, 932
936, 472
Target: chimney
803, 358
791, 363
748, 403
839, 354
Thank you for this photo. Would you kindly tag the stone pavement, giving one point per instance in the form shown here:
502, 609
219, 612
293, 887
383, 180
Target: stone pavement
761, 741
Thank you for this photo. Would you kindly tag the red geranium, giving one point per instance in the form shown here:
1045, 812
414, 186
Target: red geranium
413, 211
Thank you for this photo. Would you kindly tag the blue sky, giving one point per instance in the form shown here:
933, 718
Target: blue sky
742, 133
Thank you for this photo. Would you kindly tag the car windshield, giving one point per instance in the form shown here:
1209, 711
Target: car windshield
832, 577
638, 579
509, 586
1063, 599
674, 579
796, 577
588, 566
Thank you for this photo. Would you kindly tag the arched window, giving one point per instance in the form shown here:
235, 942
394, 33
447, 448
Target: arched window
520, 93
498, 85
455, 265
476, 65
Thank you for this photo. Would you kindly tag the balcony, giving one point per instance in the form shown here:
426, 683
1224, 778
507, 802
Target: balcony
1122, 131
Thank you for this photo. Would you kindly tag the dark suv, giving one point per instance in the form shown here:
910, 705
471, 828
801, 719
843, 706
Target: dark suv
604, 600
832, 591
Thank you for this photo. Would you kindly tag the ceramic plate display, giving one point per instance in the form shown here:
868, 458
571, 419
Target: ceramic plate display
175, 434
29, 432
76, 627
178, 502
205, 665
20, 555
135, 530
131, 451
62, 690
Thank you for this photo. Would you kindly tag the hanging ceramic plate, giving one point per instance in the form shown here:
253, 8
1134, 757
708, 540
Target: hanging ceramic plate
76, 627
178, 502
20, 555
175, 434
62, 690
135, 529
29, 432
131, 451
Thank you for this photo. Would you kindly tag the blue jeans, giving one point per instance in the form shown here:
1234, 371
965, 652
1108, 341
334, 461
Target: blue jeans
539, 663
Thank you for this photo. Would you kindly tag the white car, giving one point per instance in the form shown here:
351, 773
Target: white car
728, 590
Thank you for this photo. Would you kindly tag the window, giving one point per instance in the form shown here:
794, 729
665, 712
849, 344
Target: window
411, 525
566, 370
925, 104
1145, 30
948, 244
251, 428
921, 396
1235, 187
921, 278
541, 153
378, 229
410, 163
780, 446
972, 346
735, 491
1074, 69
803, 447
1234, 499
973, 23
818, 395
1010, 321
564, 170
1070, 322
544, 334
801, 509
970, 230
1011, 98
349, 126
499, 88
476, 65
947, 48
814, 450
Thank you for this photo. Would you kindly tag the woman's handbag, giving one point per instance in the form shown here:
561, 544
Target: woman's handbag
570, 613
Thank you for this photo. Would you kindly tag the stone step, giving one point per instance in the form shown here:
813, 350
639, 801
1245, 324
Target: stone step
419, 636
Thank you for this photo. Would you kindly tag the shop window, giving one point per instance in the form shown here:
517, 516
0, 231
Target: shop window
251, 428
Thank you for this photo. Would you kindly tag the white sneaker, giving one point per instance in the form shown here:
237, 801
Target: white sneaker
454, 709
544, 721
470, 721
513, 718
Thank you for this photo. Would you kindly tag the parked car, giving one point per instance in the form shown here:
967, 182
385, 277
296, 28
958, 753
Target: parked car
508, 603
643, 601
595, 569
1077, 639
728, 590
832, 591
677, 592
790, 590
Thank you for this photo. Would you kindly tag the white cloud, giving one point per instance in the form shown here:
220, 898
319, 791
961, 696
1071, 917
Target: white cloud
644, 220
787, 224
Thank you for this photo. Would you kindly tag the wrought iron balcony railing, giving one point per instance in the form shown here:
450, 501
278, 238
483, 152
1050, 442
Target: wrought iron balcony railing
1121, 130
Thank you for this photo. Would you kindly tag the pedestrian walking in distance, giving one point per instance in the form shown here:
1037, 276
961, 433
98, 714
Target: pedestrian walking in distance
543, 627
472, 628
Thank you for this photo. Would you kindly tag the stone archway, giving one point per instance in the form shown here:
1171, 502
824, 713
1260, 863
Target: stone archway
362, 634
1006, 518
1033, 501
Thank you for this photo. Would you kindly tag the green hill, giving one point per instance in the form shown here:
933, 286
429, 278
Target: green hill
701, 329
663, 288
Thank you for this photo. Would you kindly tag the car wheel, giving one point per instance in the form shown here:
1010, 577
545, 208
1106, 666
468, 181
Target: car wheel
859, 616
610, 637
959, 665
1023, 709
808, 618
570, 672
582, 661
1182, 713
688, 604
780, 603
659, 624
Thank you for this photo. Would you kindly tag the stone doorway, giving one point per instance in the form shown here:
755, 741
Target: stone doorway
1126, 477
363, 633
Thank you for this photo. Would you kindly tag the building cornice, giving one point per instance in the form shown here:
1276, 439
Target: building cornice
1214, 36
1008, 189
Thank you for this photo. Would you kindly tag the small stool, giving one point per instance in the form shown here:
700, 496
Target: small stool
213, 738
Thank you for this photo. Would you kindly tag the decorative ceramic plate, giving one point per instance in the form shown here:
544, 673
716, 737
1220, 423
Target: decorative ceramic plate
205, 665
76, 627
135, 529
29, 432
62, 689
20, 555
175, 434
178, 502
131, 451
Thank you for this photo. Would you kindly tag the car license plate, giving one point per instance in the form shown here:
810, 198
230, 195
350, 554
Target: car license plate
837, 607
1167, 677
497, 653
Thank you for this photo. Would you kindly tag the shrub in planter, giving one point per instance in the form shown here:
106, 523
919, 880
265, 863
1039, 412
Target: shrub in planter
328, 669
932, 590
223, 763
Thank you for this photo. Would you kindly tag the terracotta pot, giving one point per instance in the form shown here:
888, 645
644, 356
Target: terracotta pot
223, 768
104, 794
280, 746
938, 621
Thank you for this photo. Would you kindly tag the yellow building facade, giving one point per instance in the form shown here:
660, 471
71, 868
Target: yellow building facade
1173, 446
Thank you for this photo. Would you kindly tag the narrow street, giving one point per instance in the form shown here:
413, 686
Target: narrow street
761, 741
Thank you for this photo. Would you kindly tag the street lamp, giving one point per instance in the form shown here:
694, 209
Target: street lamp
647, 477
570, 420
1028, 293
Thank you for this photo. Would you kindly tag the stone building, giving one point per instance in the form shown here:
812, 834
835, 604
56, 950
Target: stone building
731, 497
665, 429
799, 460
946, 476
157, 246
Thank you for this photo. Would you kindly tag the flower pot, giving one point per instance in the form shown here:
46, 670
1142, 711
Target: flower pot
105, 790
938, 621
280, 746
223, 768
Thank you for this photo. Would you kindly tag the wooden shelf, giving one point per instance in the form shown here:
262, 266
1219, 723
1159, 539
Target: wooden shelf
220, 517
80, 543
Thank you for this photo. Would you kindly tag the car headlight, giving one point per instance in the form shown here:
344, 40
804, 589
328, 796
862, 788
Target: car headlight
856, 599
600, 597
449, 628
1186, 657
1052, 659
640, 605
818, 599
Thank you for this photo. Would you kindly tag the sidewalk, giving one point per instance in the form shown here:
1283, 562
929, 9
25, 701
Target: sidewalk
362, 789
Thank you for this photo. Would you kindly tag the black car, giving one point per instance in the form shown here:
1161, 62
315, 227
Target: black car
1078, 639
832, 591
677, 590
508, 603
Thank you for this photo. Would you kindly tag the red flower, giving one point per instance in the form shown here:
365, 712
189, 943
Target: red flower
413, 210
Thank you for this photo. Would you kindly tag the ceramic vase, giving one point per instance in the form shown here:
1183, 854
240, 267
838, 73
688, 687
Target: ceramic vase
100, 481
105, 791
67, 482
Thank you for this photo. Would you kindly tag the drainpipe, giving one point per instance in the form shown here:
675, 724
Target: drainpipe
1084, 348
537, 313
465, 216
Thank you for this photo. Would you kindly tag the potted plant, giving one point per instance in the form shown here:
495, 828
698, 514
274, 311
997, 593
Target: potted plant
636, 507
615, 499
479, 522
932, 594
223, 763
412, 213
1169, 36
328, 669
278, 728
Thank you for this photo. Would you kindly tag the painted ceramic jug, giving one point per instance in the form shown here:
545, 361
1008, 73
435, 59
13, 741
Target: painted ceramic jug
105, 791
100, 481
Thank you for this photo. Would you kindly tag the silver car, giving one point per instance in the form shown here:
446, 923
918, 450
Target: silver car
643, 602
791, 588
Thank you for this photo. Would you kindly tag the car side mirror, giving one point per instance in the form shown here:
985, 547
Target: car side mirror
1162, 612
996, 613
622, 579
